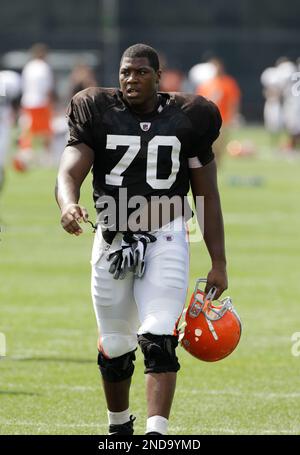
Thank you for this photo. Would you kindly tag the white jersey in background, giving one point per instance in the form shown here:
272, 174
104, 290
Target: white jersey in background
273, 115
10, 89
37, 83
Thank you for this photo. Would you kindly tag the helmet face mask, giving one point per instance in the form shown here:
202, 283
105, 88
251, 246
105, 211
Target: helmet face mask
211, 330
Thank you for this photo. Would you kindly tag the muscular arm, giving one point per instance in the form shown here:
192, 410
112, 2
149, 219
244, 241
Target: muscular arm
75, 164
204, 183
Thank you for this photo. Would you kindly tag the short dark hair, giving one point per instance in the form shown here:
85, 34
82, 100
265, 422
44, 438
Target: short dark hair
39, 50
142, 50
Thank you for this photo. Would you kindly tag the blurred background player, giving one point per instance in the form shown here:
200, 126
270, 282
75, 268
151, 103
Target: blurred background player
282, 105
10, 92
291, 105
273, 116
172, 79
224, 91
81, 77
200, 73
36, 102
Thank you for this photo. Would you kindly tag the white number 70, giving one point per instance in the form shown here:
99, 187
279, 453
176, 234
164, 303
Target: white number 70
134, 145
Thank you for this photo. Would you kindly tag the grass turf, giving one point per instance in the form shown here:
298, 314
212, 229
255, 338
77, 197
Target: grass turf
49, 383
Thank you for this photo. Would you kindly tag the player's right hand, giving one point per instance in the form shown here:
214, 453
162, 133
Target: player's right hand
71, 216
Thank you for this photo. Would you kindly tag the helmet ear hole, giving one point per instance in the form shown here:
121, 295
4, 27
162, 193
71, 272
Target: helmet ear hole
210, 332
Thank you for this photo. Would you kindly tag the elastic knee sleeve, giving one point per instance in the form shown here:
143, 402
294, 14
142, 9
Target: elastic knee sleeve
118, 368
159, 353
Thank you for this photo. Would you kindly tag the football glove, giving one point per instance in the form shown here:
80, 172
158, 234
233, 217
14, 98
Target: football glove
131, 256
121, 261
139, 252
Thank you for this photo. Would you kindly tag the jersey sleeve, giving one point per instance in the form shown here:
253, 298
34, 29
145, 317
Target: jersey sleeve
206, 123
79, 116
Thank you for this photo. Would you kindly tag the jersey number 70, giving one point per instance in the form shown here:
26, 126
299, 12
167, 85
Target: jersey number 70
134, 145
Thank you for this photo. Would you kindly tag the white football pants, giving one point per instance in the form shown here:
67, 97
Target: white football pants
151, 304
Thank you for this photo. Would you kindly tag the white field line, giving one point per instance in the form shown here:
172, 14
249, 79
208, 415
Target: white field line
239, 393
31, 353
51, 356
48, 387
30, 229
54, 425
233, 393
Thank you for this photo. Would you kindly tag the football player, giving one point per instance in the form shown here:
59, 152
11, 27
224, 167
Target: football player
142, 145
10, 92
37, 99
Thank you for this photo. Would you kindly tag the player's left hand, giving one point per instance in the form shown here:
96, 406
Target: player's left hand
217, 277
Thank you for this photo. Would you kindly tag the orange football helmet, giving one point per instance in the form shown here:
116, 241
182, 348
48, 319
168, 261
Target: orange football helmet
211, 330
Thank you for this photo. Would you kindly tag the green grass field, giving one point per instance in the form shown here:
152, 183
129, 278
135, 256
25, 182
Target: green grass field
49, 382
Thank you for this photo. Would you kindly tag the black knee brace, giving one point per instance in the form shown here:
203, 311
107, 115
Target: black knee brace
159, 353
117, 369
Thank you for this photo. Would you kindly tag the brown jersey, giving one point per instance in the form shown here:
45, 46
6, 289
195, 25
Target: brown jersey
146, 154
